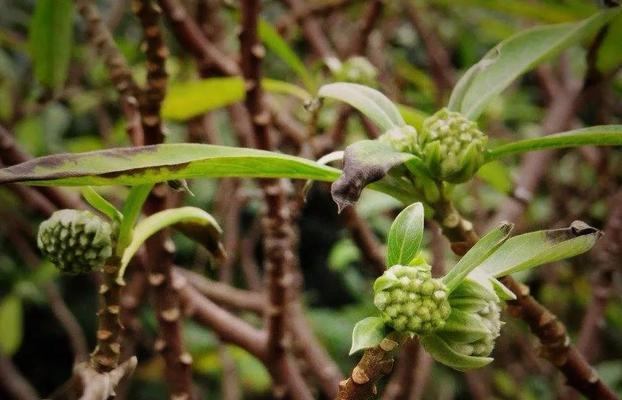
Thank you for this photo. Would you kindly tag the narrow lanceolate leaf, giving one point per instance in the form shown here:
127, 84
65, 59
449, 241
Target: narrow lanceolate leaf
477, 254
152, 164
373, 104
11, 320
189, 99
405, 235
515, 56
194, 222
158, 163
51, 36
364, 162
275, 43
367, 333
443, 353
537, 248
604, 135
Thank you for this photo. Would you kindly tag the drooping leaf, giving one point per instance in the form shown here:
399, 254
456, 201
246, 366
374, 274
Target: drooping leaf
405, 235
364, 162
373, 104
443, 353
603, 135
477, 254
515, 56
367, 333
540, 247
189, 99
192, 221
11, 321
275, 43
51, 36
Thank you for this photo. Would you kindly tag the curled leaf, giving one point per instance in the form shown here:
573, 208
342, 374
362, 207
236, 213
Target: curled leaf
364, 162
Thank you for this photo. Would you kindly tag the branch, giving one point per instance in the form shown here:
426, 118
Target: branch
151, 97
190, 35
120, 74
14, 382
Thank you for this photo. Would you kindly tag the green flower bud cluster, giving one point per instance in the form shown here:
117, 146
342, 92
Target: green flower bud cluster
403, 138
357, 69
475, 320
411, 300
76, 241
452, 146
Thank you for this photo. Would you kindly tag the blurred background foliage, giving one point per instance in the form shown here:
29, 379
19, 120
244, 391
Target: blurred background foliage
65, 103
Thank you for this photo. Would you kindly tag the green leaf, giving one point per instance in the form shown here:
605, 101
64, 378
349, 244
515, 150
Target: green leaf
443, 353
11, 321
367, 333
131, 211
273, 41
405, 235
477, 254
540, 247
364, 162
192, 221
189, 99
152, 164
100, 204
515, 56
462, 326
373, 104
51, 37
603, 135
609, 54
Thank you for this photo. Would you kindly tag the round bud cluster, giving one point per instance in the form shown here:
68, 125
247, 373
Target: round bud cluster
411, 300
403, 138
474, 335
75, 241
357, 69
452, 146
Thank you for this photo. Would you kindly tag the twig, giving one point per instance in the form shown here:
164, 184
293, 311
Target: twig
607, 256
120, 74
14, 382
372, 15
311, 28
278, 236
364, 238
190, 35
440, 64
151, 97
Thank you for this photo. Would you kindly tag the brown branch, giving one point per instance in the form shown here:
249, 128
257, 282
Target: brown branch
371, 17
225, 294
438, 58
14, 382
375, 363
190, 35
120, 74
364, 238
105, 357
311, 28
151, 97
556, 345
608, 254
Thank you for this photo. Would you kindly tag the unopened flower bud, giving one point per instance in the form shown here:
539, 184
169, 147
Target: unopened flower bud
411, 300
75, 241
452, 146
468, 337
